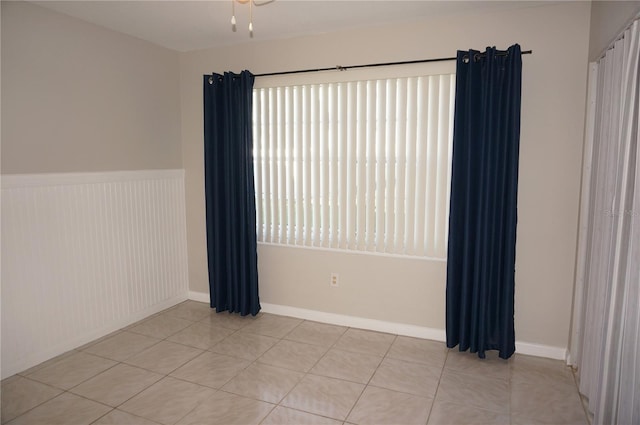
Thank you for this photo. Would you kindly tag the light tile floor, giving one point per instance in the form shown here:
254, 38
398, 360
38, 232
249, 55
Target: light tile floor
189, 365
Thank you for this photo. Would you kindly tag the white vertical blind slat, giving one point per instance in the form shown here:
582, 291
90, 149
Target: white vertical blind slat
273, 163
370, 165
258, 161
423, 142
316, 195
361, 184
334, 165
430, 205
390, 155
281, 164
288, 155
351, 229
298, 161
409, 195
442, 166
306, 143
380, 181
401, 140
341, 233
325, 142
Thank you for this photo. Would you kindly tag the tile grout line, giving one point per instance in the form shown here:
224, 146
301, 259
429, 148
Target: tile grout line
305, 374
395, 338
446, 357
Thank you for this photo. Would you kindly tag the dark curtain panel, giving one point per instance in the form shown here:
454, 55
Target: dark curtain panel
230, 193
484, 191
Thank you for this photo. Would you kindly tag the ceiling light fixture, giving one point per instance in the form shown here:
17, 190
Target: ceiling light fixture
251, 4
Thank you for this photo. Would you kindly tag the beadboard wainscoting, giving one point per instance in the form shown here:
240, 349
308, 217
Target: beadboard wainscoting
84, 254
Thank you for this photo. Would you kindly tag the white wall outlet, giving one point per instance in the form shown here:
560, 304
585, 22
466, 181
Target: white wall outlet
334, 280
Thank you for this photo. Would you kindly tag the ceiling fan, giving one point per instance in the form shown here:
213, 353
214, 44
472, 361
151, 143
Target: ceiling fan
257, 3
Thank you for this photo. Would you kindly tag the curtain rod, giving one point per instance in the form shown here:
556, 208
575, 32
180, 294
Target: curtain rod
373, 65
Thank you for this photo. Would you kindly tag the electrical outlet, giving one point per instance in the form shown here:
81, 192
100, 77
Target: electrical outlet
334, 280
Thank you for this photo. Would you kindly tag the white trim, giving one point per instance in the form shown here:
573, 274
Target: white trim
356, 322
539, 350
415, 331
354, 252
60, 179
68, 345
203, 297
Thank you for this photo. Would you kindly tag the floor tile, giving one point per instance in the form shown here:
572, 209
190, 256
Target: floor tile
189, 310
347, 365
65, 409
118, 417
228, 320
329, 397
200, 335
540, 370
72, 370
164, 357
262, 382
211, 369
413, 378
167, 401
272, 325
293, 355
228, 409
161, 326
366, 342
244, 345
418, 350
121, 346
285, 416
481, 392
21, 394
491, 366
559, 403
116, 385
444, 413
381, 406
316, 333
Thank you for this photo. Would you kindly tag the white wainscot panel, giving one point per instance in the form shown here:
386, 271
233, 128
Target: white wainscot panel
84, 254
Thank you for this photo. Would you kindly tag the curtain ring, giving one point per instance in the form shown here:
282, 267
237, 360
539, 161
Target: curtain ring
211, 80
476, 57
465, 59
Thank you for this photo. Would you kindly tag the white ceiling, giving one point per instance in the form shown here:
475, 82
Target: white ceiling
190, 25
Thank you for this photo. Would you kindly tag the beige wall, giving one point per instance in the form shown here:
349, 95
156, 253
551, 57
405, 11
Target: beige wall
412, 291
608, 18
77, 97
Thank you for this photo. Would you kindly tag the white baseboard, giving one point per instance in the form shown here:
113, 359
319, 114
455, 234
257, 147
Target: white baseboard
538, 350
203, 297
356, 322
527, 348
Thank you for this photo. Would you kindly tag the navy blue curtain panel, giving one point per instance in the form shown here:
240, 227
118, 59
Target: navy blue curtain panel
483, 210
230, 193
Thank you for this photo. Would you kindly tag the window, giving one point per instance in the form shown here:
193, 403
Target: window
361, 164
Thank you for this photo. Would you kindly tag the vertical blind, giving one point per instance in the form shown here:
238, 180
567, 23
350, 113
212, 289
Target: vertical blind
355, 165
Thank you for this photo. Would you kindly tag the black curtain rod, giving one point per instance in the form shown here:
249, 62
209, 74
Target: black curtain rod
374, 65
